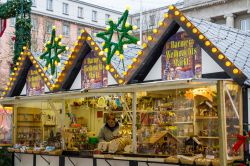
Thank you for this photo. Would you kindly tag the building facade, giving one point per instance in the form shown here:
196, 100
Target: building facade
69, 16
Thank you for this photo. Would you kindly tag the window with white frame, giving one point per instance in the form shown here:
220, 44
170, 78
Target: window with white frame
13, 22
245, 24
34, 23
152, 20
50, 5
94, 15
80, 12
33, 3
49, 25
65, 30
107, 16
65, 8
137, 22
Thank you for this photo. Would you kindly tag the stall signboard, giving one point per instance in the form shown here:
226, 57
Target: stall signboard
93, 72
181, 58
34, 83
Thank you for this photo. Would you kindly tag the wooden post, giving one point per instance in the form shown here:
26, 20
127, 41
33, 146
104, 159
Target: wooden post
134, 103
222, 123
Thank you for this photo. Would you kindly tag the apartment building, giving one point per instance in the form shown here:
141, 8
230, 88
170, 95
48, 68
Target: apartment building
69, 16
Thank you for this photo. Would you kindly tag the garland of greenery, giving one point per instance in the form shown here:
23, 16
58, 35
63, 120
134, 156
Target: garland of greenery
20, 9
52, 51
123, 30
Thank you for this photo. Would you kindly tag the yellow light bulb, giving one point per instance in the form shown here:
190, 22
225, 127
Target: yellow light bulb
182, 18
155, 31
139, 52
166, 15
130, 66
121, 57
103, 59
171, 7
82, 31
135, 27
112, 70
106, 50
214, 50
39, 70
21, 53
150, 38
96, 48
89, 38
101, 53
42, 74
107, 28
236, 71
177, 13
201, 37
188, 24
92, 43
60, 36
228, 63
54, 27
128, 7
66, 62
79, 37
207, 43
19, 58
160, 23
195, 30
107, 67
117, 52
56, 39
24, 48
103, 44
76, 43
124, 73
120, 81
127, 24
144, 45
37, 65
15, 69
221, 56
134, 59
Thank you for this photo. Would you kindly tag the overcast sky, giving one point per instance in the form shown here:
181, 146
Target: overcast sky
120, 5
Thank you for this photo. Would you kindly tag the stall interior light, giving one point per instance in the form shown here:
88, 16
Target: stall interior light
236, 71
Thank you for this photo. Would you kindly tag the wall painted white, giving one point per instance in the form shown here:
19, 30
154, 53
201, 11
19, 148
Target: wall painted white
24, 90
208, 64
111, 80
77, 83
155, 72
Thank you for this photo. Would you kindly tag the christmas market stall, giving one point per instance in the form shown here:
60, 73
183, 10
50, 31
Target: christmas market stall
180, 98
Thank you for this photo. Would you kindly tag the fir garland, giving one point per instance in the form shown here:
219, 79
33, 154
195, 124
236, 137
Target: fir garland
20, 9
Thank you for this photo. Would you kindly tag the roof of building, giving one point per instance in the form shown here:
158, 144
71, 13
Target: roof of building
233, 43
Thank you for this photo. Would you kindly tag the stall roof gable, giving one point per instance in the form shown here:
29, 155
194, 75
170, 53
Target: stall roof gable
67, 75
228, 47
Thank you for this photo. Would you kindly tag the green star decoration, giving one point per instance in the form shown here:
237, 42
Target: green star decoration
52, 51
123, 30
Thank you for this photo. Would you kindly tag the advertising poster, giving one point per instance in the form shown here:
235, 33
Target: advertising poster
34, 83
181, 58
93, 73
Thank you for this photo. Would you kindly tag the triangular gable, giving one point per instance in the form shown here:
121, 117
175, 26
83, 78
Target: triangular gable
230, 52
68, 73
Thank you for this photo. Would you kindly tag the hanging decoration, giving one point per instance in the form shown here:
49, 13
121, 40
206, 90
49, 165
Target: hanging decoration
123, 30
20, 9
242, 140
53, 50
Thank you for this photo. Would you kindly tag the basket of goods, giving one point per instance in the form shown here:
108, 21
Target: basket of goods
11, 150
186, 159
203, 161
55, 152
172, 159
119, 144
29, 149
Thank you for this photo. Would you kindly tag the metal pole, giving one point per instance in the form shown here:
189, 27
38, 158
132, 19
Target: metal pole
134, 103
141, 22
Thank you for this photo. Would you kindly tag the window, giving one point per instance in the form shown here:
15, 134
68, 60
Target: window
65, 30
49, 25
50, 5
34, 23
107, 16
33, 3
94, 15
13, 22
65, 8
137, 22
245, 25
80, 12
152, 20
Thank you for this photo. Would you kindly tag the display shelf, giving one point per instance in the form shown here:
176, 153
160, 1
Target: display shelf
206, 137
179, 136
189, 122
206, 117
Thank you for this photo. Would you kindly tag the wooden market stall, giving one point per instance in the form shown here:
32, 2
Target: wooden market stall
189, 116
